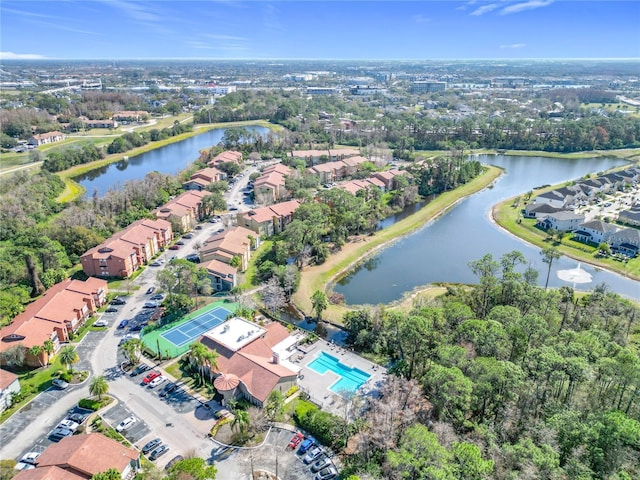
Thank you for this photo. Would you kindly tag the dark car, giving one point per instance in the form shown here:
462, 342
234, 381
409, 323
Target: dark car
143, 367
59, 433
150, 445
118, 301
136, 328
157, 296
168, 388
174, 247
179, 242
187, 235
150, 290
158, 452
173, 461
198, 227
111, 310
123, 324
306, 445
193, 258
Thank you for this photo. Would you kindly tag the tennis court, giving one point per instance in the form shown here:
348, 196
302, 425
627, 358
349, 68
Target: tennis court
193, 328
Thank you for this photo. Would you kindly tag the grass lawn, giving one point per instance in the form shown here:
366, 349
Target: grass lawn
189, 382
33, 382
317, 277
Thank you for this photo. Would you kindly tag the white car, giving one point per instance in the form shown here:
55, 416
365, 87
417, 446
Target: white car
70, 424
126, 423
156, 381
312, 455
101, 323
30, 457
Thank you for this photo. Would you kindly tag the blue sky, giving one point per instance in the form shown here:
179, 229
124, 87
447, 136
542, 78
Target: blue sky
228, 29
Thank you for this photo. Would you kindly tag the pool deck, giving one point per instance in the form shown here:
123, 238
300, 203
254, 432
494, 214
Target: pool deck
317, 385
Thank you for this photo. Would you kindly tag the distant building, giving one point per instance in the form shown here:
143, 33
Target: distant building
45, 138
421, 86
322, 91
268, 221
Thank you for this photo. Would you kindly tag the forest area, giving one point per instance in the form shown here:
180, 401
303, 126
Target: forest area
502, 380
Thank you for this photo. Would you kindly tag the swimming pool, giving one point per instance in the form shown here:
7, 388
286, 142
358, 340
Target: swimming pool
351, 379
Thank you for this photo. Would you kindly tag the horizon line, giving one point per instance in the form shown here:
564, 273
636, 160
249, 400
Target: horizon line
46, 59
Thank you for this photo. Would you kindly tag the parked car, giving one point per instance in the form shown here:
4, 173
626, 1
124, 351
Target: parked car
151, 305
198, 227
168, 388
180, 242
306, 445
151, 376
158, 452
173, 461
24, 466
123, 324
111, 310
30, 457
321, 463
174, 247
143, 367
126, 423
156, 381
59, 433
118, 301
70, 424
150, 290
101, 323
312, 455
295, 440
79, 415
150, 445
59, 383
136, 328
327, 473
155, 264
128, 337
157, 297
192, 257
188, 235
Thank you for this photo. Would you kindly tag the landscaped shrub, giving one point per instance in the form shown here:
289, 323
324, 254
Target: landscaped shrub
328, 429
218, 424
291, 391
89, 404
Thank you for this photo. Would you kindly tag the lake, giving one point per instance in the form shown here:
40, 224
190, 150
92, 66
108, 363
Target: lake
169, 159
441, 250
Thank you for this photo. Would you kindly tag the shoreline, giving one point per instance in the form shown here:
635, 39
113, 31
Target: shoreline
321, 277
74, 190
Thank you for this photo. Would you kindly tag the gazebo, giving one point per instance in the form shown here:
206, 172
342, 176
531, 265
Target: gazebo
226, 384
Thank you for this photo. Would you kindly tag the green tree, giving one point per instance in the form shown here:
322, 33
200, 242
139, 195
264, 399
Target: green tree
449, 391
549, 254
36, 351
48, 347
468, 462
68, 356
241, 422
274, 406
111, 474
98, 386
202, 358
132, 349
319, 303
192, 469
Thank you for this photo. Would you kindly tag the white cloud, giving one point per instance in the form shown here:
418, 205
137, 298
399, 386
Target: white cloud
485, 9
134, 10
215, 36
528, 5
20, 56
419, 18
514, 45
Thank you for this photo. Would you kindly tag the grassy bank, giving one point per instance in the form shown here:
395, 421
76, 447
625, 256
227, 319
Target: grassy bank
74, 190
318, 277
508, 215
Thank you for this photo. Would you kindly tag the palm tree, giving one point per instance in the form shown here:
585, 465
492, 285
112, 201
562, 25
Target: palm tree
241, 422
548, 256
319, 302
36, 351
198, 356
69, 356
132, 349
48, 347
98, 386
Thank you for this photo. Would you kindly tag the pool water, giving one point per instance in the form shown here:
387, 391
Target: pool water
351, 379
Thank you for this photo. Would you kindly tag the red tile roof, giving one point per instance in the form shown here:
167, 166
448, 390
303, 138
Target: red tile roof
6, 378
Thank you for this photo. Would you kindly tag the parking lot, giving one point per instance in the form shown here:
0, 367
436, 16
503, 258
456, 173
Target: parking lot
117, 414
235, 464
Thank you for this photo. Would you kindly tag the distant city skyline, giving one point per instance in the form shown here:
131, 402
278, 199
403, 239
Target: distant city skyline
340, 30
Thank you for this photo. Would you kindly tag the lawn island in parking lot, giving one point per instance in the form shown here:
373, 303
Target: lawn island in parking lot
174, 339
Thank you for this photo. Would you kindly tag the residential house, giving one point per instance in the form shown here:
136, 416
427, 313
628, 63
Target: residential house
130, 116
107, 123
268, 221
594, 232
311, 157
61, 310
224, 157
236, 242
630, 216
625, 241
126, 250
342, 153
203, 178
253, 359
599, 185
353, 164
563, 221
9, 385
184, 211
80, 457
223, 276
269, 187
559, 198
536, 210
45, 138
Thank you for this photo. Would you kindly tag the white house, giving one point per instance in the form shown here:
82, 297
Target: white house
563, 221
9, 384
595, 231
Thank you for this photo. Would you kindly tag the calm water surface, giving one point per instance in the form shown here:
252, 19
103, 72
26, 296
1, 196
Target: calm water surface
440, 251
169, 159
